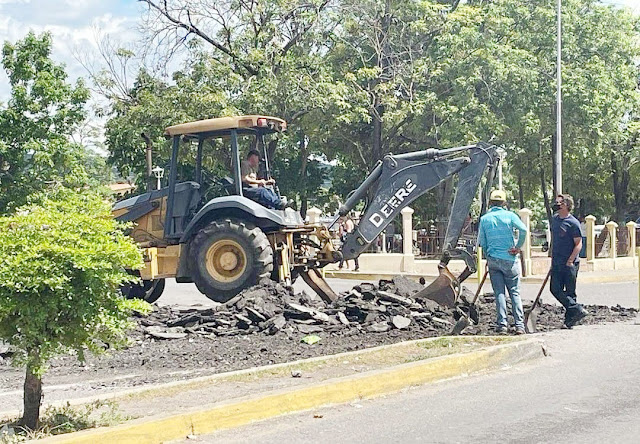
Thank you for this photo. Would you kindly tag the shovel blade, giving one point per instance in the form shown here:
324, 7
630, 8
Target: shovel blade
443, 290
473, 314
459, 326
530, 319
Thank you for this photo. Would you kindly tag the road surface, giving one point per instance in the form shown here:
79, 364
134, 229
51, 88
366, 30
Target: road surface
587, 390
623, 293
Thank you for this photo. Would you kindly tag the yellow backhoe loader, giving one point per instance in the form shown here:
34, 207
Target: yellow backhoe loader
229, 242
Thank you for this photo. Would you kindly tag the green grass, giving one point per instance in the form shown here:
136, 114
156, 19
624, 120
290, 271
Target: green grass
67, 419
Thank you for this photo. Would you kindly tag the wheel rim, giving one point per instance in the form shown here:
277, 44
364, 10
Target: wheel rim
226, 260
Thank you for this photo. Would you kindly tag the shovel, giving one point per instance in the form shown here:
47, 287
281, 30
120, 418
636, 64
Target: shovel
473, 310
531, 315
463, 320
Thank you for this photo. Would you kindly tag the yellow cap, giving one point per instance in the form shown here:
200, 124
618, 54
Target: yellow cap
498, 195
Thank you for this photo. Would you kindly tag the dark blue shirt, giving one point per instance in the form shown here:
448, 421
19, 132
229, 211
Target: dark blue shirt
563, 231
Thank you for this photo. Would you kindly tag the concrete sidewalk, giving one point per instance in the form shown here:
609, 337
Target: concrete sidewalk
173, 411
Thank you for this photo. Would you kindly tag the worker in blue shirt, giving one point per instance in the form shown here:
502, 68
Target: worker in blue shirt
496, 237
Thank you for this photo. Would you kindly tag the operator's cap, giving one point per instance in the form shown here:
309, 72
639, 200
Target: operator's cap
498, 195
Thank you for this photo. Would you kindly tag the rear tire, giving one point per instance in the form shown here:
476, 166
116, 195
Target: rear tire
227, 256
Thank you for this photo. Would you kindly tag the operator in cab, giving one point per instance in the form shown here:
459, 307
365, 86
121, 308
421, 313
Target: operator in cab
257, 189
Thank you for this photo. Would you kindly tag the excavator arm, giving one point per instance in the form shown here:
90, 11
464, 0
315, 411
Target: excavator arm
398, 180
445, 290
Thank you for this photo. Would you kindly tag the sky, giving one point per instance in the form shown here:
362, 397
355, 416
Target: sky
76, 23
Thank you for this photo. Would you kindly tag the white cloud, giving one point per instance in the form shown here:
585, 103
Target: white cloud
74, 25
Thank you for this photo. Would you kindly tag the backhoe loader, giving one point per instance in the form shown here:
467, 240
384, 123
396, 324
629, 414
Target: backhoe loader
227, 243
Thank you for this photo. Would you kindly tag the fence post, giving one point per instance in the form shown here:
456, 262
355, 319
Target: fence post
525, 215
407, 231
591, 237
613, 235
314, 215
407, 239
314, 218
631, 228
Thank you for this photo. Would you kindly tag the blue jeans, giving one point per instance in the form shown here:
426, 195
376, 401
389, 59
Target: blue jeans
264, 196
506, 274
563, 287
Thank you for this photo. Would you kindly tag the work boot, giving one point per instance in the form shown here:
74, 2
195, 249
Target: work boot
502, 330
520, 331
573, 320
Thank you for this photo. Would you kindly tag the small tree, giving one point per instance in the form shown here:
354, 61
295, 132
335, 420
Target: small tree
39, 118
62, 261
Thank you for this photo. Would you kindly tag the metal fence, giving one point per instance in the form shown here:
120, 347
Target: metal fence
393, 244
602, 243
622, 245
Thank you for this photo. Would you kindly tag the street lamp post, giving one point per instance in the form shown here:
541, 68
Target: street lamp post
158, 172
558, 153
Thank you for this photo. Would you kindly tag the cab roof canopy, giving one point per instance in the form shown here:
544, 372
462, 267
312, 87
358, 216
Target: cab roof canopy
270, 124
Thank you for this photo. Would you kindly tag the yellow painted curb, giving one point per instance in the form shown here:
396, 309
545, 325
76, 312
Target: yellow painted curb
341, 390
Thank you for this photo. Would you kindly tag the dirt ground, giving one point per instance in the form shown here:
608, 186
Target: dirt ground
266, 325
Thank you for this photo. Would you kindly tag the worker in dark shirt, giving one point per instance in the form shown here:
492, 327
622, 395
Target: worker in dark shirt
566, 244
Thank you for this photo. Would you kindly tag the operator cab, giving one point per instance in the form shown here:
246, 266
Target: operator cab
211, 151
217, 146
205, 164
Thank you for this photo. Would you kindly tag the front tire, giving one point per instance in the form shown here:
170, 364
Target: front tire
227, 256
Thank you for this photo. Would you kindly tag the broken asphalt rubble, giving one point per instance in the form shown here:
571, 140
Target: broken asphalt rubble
269, 308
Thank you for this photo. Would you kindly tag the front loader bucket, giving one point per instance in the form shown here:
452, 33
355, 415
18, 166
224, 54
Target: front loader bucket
444, 289
314, 279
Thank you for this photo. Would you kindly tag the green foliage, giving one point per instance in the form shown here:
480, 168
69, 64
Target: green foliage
37, 123
360, 79
62, 261
67, 419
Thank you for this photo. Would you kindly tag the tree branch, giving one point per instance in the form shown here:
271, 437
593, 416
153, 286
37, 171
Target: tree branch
191, 28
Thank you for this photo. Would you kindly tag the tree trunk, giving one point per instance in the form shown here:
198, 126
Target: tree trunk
376, 141
303, 175
383, 63
620, 178
543, 184
520, 190
32, 398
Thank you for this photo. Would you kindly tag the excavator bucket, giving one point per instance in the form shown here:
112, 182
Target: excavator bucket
314, 279
444, 289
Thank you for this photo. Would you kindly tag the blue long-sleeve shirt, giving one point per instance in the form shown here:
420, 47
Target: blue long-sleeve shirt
496, 233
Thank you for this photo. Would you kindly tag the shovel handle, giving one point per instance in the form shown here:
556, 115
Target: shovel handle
544, 284
484, 278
